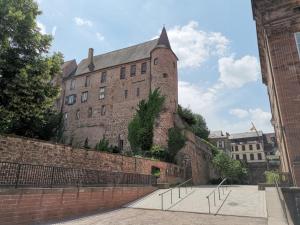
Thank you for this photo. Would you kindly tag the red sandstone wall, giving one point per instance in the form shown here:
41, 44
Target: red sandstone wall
31, 206
30, 151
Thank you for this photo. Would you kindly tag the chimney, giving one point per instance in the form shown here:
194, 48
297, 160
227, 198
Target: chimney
91, 59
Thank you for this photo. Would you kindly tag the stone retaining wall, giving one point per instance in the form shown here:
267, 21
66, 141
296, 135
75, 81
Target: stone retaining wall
31, 151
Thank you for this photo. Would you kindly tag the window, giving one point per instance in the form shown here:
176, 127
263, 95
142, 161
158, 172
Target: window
72, 85
103, 110
84, 96
103, 77
243, 147
126, 93
244, 157
90, 112
66, 116
237, 157
250, 147
165, 75
144, 68
138, 92
259, 156
102, 93
236, 148
258, 146
132, 70
78, 114
155, 61
297, 37
122, 73
87, 81
121, 144
251, 157
232, 148
71, 99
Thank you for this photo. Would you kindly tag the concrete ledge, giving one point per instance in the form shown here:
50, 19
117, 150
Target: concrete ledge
262, 186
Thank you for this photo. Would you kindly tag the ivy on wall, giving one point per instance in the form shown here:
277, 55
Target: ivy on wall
140, 129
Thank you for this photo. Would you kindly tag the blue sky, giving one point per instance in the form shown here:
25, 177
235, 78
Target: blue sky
215, 41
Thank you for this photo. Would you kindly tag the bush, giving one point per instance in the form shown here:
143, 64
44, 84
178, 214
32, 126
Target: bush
102, 145
271, 177
158, 153
229, 168
186, 115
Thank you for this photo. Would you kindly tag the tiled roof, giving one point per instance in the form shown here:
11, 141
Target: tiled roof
246, 135
122, 56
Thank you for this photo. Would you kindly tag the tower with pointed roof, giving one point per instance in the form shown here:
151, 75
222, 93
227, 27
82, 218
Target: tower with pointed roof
100, 97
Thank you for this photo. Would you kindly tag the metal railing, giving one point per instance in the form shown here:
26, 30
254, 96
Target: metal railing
220, 186
181, 186
27, 175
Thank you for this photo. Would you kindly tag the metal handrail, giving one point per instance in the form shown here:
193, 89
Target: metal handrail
214, 191
171, 190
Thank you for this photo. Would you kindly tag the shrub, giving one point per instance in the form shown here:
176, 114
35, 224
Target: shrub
271, 177
186, 115
157, 152
102, 145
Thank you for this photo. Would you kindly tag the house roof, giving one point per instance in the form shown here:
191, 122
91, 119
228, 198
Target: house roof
216, 134
246, 135
121, 56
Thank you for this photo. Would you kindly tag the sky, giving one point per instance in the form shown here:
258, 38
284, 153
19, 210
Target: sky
215, 41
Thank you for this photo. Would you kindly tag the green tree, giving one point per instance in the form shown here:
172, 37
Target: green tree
26, 70
229, 168
140, 129
200, 128
195, 121
103, 145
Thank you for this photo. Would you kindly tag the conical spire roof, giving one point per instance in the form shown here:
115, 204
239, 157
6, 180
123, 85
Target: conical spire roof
163, 39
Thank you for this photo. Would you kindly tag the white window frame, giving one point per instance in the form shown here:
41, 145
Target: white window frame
102, 93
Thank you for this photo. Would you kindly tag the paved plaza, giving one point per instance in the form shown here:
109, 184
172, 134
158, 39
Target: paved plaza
129, 216
237, 205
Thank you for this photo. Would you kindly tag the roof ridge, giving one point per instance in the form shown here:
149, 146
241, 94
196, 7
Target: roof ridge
156, 39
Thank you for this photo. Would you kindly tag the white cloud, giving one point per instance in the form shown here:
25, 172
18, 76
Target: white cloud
194, 46
240, 113
42, 27
235, 73
83, 22
99, 36
53, 32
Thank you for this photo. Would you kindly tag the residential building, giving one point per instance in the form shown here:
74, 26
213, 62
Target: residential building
248, 146
220, 140
278, 33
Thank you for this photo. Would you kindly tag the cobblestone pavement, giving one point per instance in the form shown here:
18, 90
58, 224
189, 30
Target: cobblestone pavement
129, 216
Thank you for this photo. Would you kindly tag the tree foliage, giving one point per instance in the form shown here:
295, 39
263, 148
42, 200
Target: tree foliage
195, 121
26, 71
229, 168
140, 129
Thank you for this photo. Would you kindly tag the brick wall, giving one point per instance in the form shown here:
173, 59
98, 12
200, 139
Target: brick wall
31, 151
35, 206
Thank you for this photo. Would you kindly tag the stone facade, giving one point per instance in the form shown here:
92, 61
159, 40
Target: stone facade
31, 151
278, 27
100, 97
221, 141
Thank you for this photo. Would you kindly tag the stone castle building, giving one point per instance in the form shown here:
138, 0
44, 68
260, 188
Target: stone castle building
278, 32
100, 95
